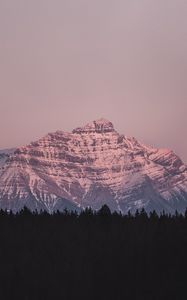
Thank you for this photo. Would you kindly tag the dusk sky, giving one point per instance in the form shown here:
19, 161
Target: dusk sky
64, 63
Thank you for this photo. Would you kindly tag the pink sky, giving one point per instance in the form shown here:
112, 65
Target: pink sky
64, 63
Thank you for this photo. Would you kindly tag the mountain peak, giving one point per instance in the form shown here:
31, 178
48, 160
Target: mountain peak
92, 166
100, 126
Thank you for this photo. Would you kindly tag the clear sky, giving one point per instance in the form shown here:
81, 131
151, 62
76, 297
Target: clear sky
66, 62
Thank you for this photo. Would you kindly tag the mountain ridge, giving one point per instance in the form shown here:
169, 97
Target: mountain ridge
91, 166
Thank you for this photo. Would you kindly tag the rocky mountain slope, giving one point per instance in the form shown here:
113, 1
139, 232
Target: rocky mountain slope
4, 155
92, 166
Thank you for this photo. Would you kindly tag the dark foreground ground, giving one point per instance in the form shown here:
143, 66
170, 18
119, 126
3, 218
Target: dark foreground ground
93, 256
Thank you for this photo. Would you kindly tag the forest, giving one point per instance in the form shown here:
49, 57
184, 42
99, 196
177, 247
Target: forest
93, 255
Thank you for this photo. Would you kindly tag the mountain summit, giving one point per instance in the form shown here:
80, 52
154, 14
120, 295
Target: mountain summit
100, 126
92, 166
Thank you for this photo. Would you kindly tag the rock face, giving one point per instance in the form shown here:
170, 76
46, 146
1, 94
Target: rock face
4, 155
92, 166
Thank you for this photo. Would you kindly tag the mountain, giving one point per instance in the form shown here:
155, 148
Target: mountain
92, 166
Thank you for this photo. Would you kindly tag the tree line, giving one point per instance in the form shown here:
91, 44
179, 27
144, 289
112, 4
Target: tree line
93, 255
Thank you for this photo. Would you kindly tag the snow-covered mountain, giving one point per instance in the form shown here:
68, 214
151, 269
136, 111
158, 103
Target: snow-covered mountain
92, 166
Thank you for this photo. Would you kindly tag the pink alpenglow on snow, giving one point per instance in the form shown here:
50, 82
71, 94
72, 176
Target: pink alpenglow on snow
91, 166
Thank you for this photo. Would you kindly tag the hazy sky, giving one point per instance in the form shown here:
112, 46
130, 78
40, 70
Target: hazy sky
66, 62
